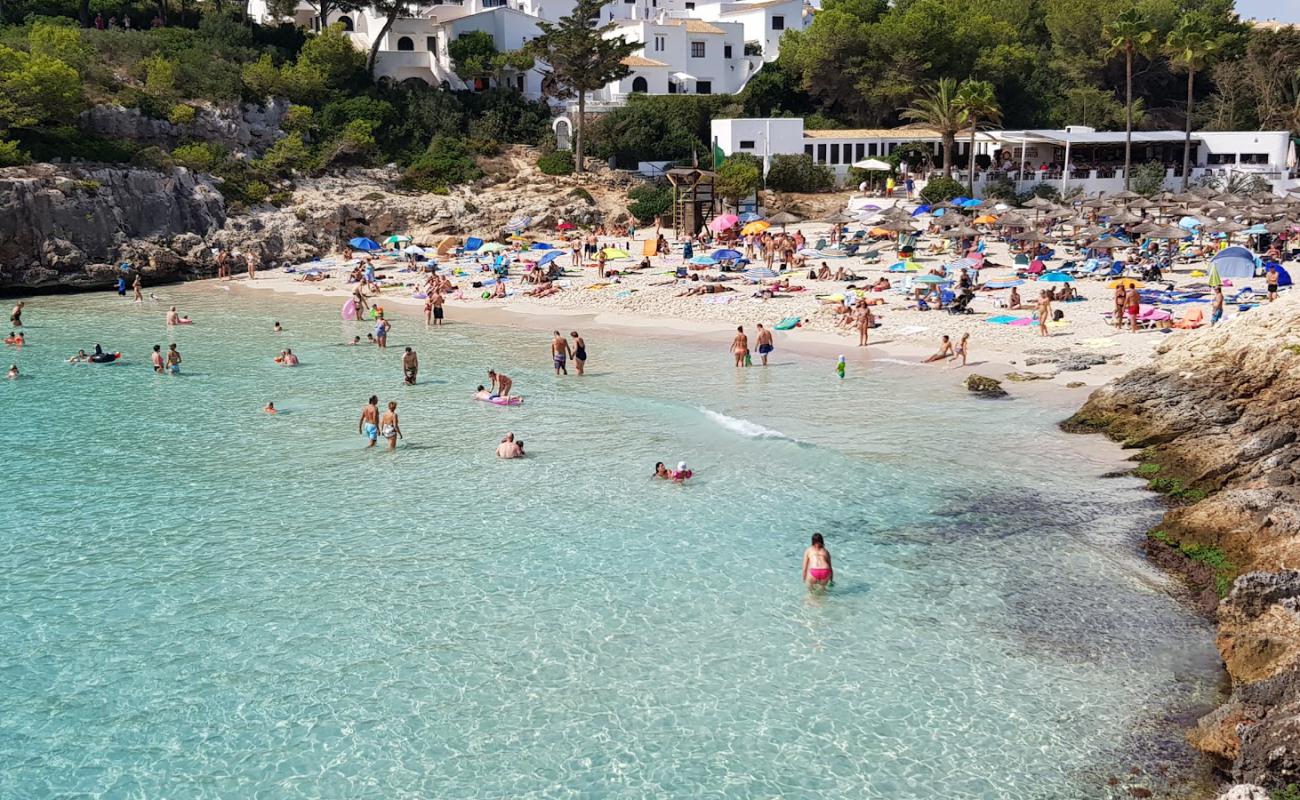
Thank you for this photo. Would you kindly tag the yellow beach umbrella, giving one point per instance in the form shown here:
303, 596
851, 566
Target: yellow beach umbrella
1126, 283
613, 253
987, 219
757, 226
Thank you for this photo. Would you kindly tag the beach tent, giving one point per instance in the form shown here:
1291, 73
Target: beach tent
1234, 262
447, 244
615, 254
362, 243
472, 244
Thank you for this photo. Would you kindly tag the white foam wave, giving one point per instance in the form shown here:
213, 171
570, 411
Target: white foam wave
750, 430
896, 361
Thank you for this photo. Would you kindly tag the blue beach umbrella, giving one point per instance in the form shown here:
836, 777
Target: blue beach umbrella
704, 261
548, 257
1056, 277
972, 203
727, 255
362, 243
1254, 230
921, 209
541, 246
932, 279
750, 216
1190, 223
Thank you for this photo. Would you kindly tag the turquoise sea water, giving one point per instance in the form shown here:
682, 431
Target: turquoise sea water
204, 601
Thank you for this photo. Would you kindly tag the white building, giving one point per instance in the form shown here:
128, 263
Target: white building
689, 46
1075, 158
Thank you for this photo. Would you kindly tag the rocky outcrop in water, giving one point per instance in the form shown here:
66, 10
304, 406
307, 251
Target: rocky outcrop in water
1216, 415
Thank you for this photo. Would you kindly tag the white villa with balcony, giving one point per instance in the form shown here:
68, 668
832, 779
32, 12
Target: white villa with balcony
1075, 158
689, 46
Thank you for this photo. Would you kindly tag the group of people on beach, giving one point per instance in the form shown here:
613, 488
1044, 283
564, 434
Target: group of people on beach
740, 346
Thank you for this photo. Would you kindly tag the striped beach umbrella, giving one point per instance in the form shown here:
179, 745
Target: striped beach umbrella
759, 274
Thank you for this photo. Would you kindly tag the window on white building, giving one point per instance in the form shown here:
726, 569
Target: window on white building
346, 22
1254, 158
808, 150
871, 148
746, 144
778, 23
835, 154
690, 6
726, 51
640, 85
431, 44
704, 87
821, 154
659, 44
405, 43
697, 49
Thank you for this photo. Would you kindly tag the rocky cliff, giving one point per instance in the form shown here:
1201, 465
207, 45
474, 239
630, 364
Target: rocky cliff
247, 128
72, 226
1216, 416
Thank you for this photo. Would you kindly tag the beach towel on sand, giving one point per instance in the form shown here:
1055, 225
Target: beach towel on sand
786, 324
1021, 321
1005, 319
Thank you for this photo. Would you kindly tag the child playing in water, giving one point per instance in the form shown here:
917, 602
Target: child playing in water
840, 367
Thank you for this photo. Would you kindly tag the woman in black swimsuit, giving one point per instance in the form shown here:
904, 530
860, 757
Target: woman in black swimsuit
579, 351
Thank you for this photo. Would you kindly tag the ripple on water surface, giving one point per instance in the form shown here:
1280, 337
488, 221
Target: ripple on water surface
205, 601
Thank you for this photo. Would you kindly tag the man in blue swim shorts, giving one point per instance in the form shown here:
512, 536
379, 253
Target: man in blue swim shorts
368, 425
559, 352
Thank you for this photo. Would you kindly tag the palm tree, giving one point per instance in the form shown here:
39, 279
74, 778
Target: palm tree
1190, 47
976, 100
938, 109
1129, 33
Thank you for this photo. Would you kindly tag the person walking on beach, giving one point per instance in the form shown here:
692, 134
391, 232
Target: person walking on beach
410, 366
437, 299
559, 352
1216, 306
368, 425
136, 287
16, 316
500, 383
1271, 279
389, 426
579, 352
740, 346
817, 570
1044, 311
251, 260
764, 342
963, 350
173, 360
1133, 305
864, 324
1120, 294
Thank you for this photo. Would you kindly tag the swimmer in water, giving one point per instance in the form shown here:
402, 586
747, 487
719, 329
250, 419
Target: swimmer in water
817, 570
356, 340
410, 366
662, 471
509, 448
16, 316
276, 328
172, 317
14, 338
270, 408
13, 372
79, 358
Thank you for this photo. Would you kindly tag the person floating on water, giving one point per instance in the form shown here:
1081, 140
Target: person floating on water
840, 367
16, 339
270, 408
79, 358
276, 327
817, 570
368, 425
13, 372
410, 366
389, 426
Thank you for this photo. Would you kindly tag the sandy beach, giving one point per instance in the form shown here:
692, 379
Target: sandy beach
647, 300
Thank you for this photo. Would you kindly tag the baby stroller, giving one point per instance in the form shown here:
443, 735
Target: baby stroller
962, 304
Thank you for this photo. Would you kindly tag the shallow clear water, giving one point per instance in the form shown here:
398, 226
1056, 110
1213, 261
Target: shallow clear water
204, 601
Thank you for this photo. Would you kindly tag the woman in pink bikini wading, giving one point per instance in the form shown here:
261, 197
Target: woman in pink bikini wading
817, 570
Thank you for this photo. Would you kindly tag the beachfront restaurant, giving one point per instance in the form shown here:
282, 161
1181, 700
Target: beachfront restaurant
1080, 157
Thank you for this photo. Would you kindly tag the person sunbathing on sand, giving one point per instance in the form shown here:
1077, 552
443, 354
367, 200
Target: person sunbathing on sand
881, 285
945, 350
544, 290
707, 288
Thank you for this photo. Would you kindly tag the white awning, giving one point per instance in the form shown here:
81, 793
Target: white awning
872, 163
683, 76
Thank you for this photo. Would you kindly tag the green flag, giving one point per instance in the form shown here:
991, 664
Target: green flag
718, 155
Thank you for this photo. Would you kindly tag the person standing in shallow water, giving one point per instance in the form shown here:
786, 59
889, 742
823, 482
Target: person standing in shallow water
410, 366
579, 352
368, 425
740, 346
817, 570
559, 352
764, 342
389, 427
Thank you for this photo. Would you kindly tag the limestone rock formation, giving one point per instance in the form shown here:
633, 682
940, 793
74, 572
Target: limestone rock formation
248, 128
984, 387
1216, 413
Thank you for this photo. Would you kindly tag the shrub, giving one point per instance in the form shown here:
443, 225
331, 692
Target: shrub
11, 155
288, 154
59, 42
89, 186
153, 158
1000, 189
939, 188
256, 191
198, 156
445, 163
557, 162
298, 119
1148, 179
649, 201
738, 177
579, 193
182, 114
67, 142
260, 78
798, 173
